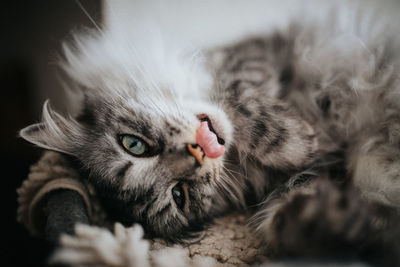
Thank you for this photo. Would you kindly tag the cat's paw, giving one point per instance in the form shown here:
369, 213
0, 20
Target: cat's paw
95, 246
318, 222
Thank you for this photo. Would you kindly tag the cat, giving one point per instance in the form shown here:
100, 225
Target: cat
300, 125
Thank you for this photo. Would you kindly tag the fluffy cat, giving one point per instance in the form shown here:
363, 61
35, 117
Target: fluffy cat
308, 116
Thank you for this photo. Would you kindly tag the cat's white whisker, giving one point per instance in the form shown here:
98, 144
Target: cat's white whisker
88, 15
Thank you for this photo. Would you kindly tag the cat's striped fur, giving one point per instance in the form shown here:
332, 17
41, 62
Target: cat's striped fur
310, 117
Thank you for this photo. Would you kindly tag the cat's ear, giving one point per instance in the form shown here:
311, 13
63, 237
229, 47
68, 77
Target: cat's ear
54, 133
37, 135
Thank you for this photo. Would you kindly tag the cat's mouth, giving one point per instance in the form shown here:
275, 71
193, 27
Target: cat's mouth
208, 142
204, 117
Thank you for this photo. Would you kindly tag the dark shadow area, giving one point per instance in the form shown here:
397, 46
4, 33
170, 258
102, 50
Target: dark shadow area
32, 33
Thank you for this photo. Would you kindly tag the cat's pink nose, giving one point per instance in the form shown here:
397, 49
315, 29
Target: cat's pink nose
196, 152
208, 141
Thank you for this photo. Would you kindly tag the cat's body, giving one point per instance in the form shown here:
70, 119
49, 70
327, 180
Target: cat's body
349, 96
293, 109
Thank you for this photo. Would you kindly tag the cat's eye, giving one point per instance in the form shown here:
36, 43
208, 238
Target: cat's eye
134, 145
178, 195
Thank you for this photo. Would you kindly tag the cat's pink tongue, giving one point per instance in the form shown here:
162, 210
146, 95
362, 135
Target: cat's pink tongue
207, 140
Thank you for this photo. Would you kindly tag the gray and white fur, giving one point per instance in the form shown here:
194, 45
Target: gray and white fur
309, 116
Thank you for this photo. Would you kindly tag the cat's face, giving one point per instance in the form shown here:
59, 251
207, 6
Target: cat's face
133, 133
140, 161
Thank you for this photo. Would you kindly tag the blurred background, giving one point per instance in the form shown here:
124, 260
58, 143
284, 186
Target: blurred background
32, 34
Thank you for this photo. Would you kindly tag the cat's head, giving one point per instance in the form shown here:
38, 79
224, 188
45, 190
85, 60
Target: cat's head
142, 108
